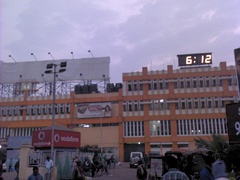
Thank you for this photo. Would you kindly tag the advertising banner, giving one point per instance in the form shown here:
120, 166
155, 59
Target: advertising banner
233, 122
63, 139
88, 110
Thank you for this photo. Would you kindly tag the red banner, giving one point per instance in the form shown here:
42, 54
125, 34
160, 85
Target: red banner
69, 139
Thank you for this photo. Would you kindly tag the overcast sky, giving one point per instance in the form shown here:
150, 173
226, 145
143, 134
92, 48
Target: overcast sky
133, 33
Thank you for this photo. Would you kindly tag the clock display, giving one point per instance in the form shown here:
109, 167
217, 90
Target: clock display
194, 59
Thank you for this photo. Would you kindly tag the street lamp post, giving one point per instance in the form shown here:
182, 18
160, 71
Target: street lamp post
52, 69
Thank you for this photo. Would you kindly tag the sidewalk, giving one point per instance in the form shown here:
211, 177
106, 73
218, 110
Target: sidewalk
9, 175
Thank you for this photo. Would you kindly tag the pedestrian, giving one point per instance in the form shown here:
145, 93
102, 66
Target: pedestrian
112, 161
173, 172
106, 164
49, 166
78, 173
141, 171
16, 166
87, 166
206, 172
10, 166
35, 175
219, 170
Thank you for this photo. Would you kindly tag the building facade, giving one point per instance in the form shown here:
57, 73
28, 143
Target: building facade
152, 111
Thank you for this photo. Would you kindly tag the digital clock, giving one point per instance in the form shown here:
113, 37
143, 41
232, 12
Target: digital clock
194, 59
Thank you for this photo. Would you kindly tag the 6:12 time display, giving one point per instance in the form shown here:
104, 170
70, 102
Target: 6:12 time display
195, 59
205, 59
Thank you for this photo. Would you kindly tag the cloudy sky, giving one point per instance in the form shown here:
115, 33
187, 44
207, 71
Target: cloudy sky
133, 33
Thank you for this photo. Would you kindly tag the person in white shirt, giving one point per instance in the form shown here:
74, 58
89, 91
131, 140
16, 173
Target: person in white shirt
48, 165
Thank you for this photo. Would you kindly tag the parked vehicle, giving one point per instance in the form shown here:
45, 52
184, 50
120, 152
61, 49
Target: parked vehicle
134, 158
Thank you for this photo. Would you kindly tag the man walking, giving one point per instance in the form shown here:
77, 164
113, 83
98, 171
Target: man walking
49, 166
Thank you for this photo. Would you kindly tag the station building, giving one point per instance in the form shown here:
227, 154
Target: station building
148, 111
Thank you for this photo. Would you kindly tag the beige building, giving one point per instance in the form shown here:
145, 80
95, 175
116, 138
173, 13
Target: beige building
153, 110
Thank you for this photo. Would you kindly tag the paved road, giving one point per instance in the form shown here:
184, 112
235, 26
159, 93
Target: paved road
120, 172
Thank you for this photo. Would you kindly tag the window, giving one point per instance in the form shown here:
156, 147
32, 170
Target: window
201, 83
175, 85
207, 83
216, 103
194, 83
129, 87
214, 83
155, 86
141, 87
176, 105
183, 105
189, 105
135, 107
160, 85
135, 87
196, 105
209, 104
166, 85
129, 107
149, 86
182, 84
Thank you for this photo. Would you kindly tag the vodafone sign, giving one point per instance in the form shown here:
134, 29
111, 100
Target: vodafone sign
69, 139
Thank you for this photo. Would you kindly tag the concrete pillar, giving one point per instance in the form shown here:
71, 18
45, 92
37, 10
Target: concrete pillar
24, 170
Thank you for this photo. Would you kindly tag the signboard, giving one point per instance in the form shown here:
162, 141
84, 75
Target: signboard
68, 139
88, 110
194, 59
156, 167
233, 122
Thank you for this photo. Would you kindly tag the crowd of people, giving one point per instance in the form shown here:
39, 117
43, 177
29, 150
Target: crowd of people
208, 168
91, 167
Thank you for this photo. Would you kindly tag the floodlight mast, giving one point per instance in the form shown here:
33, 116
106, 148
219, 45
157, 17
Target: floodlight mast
53, 66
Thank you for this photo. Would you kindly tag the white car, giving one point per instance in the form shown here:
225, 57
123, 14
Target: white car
4, 167
134, 158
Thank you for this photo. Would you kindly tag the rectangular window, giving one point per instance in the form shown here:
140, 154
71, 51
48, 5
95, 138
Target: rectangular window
196, 104
176, 106
207, 83
189, 105
155, 86
129, 107
160, 85
166, 85
175, 85
150, 86
194, 83
209, 104
201, 83
129, 87
141, 87
183, 105
188, 84
214, 83
182, 84
135, 87
135, 107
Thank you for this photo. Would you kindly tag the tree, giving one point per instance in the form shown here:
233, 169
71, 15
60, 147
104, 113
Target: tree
217, 144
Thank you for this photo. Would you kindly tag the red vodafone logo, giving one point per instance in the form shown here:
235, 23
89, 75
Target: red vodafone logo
56, 138
41, 135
